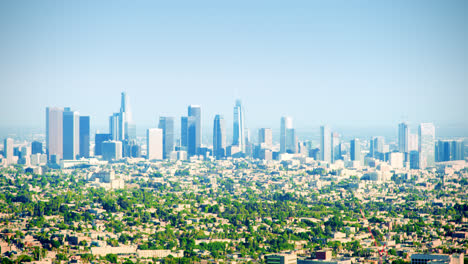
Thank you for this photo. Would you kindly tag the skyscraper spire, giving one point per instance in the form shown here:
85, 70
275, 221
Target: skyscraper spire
238, 126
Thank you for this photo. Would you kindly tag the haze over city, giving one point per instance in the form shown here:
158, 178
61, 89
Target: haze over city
354, 65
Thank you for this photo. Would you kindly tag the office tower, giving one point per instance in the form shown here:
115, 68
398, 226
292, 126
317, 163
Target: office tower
291, 141
426, 145
36, 147
325, 144
458, 150
412, 142
286, 123
166, 123
71, 134
335, 147
8, 150
265, 137
98, 140
396, 159
194, 129
112, 150
219, 137
54, 133
448, 150
238, 136
115, 127
154, 144
377, 146
129, 129
414, 159
84, 136
403, 137
121, 126
183, 131
355, 150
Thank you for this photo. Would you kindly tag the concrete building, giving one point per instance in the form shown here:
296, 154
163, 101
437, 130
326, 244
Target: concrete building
238, 132
265, 136
154, 144
166, 123
112, 150
325, 144
71, 134
426, 145
54, 133
281, 259
286, 124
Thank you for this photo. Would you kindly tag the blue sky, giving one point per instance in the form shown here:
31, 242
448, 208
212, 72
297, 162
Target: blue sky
344, 63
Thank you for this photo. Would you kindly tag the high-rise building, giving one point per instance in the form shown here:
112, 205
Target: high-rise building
36, 147
265, 137
412, 142
121, 126
115, 127
377, 146
403, 137
71, 134
99, 138
325, 144
54, 133
426, 145
112, 150
8, 150
184, 132
286, 124
166, 123
129, 129
355, 150
335, 147
238, 136
154, 144
291, 141
219, 137
194, 131
448, 150
84, 136
414, 159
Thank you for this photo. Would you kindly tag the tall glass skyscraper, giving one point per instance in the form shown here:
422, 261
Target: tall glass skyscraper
84, 136
426, 145
54, 133
325, 144
71, 134
355, 150
166, 123
238, 136
194, 130
121, 125
219, 137
265, 136
286, 124
403, 137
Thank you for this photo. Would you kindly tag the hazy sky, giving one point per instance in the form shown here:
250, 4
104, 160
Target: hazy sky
345, 63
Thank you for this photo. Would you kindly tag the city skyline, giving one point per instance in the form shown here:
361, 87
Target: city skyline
399, 61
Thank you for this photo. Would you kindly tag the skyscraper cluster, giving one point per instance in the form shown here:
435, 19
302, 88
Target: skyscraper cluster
68, 138
67, 134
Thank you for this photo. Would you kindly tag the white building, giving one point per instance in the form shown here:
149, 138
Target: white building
154, 143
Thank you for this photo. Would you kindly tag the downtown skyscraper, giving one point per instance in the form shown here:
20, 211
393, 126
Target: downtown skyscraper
194, 131
121, 125
403, 137
219, 137
54, 133
84, 136
238, 136
166, 123
325, 144
154, 144
286, 130
426, 145
71, 133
